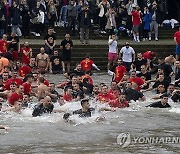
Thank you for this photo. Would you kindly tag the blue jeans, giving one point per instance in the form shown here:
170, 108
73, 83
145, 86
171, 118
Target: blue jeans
63, 14
178, 49
15, 29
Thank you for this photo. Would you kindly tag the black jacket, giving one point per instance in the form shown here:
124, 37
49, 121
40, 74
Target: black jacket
40, 109
85, 18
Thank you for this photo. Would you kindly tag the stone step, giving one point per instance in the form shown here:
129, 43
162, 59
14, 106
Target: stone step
97, 37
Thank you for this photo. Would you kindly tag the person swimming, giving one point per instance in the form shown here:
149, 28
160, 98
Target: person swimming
85, 111
163, 103
45, 107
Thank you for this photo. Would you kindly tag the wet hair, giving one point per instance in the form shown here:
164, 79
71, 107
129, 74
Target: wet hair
171, 85
114, 81
160, 67
50, 28
133, 71
161, 74
76, 76
35, 73
7, 67
29, 76
84, 101
27, 94
15, 70
13, 83
164, 95
66, 89
77, 64
160, 58
96, 85
102, 83
71, 75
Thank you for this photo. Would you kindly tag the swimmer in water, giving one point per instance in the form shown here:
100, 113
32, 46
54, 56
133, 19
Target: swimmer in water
85, 111
163, 103
45, 106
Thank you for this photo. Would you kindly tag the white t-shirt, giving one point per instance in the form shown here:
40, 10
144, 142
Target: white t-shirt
113, 46
127, 54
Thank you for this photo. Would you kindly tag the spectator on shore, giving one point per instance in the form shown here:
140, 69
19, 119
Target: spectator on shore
177, 41
37, 20
112, 53
72, 14
85, 16
66, 47
129, 7
104, 5
128, 56
25, 14
146, 23
55, 65
13, 43
2, 19
42, 60
52, 13
50, 41
136, 20
3, 44
111, 20
155, 21
26, 52
15, 19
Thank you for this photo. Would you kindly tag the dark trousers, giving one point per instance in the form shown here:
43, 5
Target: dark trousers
103, 21
127, 65
71, 25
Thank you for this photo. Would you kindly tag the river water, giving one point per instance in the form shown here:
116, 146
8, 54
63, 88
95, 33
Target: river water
50, 134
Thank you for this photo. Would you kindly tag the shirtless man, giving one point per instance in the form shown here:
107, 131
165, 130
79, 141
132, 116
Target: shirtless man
42, 88
42, 60
170, 59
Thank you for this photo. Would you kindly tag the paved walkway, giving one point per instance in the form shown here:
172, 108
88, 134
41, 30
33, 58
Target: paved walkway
104, 42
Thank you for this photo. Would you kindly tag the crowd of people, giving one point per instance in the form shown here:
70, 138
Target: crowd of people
132, 75
137, 17
23, 78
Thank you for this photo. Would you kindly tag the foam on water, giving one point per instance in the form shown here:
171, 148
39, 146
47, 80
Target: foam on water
106, 116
